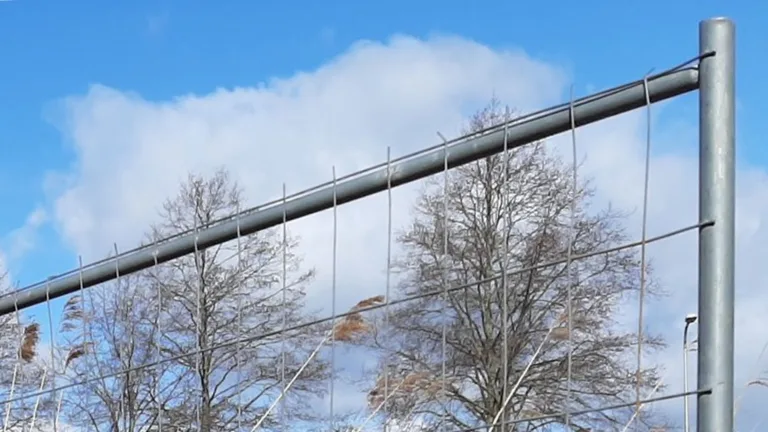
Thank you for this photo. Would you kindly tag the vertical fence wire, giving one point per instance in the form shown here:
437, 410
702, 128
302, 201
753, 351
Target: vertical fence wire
387, 294
88, 348
284, 298
123, 409
69, 352
198, 328
88, 327
16, 366
569, 263
158, 348
504, 282
240, 292
444, 271
644, 241
53, 346
333, 302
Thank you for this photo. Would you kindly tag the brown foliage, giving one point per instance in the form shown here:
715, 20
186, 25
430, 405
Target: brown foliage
75, 353
29, 341
353, 325
413, 383
73, 314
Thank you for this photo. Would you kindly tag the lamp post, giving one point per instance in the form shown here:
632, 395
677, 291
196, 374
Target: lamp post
689, 319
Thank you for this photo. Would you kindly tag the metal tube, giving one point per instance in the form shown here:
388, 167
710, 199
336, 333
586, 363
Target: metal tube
716, 242
686, 420
586, 110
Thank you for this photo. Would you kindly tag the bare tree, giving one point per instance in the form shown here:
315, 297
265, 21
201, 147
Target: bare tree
21, 365
184, 317
113, 328
492, 226
229, 292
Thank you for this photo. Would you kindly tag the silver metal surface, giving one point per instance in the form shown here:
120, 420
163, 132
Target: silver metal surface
716, 243
686, 420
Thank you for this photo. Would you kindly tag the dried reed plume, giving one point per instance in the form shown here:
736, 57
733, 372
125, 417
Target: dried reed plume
75, 353
73, 312
560, 333
529, 413
353, 324
370, 302
411, 383
29, 342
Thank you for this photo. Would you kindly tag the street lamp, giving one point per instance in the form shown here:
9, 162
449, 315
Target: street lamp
689, 319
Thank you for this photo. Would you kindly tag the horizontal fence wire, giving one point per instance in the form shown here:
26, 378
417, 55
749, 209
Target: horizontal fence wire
575, 257
598, 409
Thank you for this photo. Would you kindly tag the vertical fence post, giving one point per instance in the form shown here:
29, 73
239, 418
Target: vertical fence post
716, 242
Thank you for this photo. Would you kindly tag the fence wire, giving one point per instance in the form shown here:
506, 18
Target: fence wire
228, 346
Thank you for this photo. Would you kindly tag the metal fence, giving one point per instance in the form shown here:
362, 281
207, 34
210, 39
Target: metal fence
148, 393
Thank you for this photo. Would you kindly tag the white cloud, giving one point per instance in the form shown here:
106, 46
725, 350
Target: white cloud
15, 244
132, 153
3, 265
22, 239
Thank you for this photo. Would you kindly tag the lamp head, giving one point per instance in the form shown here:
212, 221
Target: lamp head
691, 318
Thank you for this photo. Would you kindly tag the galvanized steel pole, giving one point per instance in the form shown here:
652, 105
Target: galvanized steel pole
716, 242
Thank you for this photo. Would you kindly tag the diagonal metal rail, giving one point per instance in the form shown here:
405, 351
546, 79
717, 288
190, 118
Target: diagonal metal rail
519, 132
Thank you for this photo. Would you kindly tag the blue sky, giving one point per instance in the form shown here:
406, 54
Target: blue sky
165, 50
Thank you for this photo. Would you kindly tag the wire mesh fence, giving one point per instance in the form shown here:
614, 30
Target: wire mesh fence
496, 312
